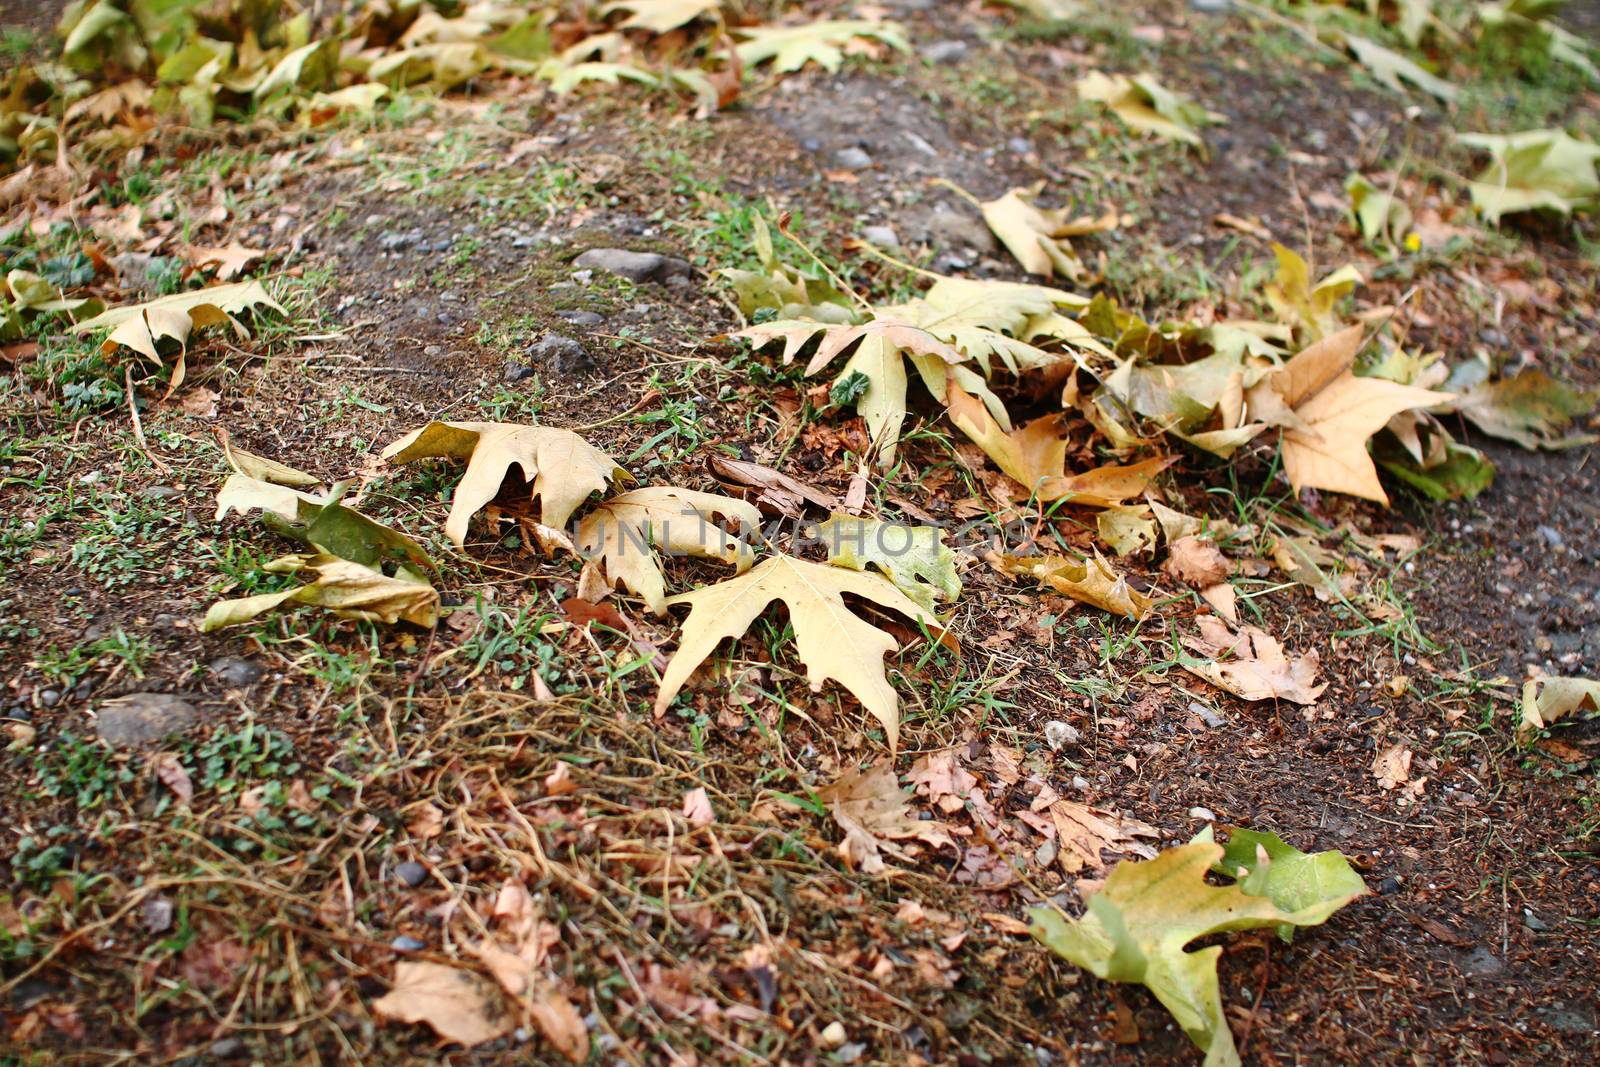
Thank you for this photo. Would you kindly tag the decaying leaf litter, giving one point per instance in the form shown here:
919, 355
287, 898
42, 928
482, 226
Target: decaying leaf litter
506, 893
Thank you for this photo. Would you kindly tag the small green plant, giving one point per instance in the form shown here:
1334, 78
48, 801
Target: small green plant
81, 770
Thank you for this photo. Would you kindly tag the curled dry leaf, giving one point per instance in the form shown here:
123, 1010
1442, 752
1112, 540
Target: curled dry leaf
173, 775
618, 536
1196, 562
350, 590
697, 807
1544, 700
460, 1006
1392, 766
1090, 580
1257, 669
872, 810
1036, 235
141, 326
1083, 832
833, 642
776, 491
560, 468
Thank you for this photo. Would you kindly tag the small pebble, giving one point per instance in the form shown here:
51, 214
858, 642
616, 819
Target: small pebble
944, 51
1203, 813
406, 943
411, 873
1059, 735
834, 1034
1551, 535
881, 237
852, 158
580, 318
49, 697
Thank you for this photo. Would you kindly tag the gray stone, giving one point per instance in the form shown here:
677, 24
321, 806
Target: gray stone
561, 354
852, 158
960, 229
944, 51
406, 943
143, 719
811, 144
411, 873
1480, 961
1019, 145
394, 242
1211, 7
580, 318
1551, 535
236, 672
634, 266
227, 1048
49, 697
159, 492
516, 372
881, 236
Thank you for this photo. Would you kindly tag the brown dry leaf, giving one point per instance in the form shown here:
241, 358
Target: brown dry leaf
618, 536
833, 642
1082, 832
940, 778
560, 468
1259, 670
560, 782
1034, 235
697, 807
1029, 455
230, 260
872, 810
1089, 580
428, 822
200, 402
1224, 600
1107, 486
174, 777
1197, 562
1328, 414
460, 1006
212, 965
778, 492
1392, 766
560, 1022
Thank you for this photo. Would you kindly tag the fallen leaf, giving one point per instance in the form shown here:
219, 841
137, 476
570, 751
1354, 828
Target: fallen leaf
822, 42
1196, 562
778, 492
1083, 832
659, 16
460, 1006
832, 641
142, 326
1258, 669
1392, 766
915, 558
560, 1022
1129, 529
1391, 68
1089, 580
173, 775
1532, 170
872, 810
1265, 865
350, 590
559, 467
1546, 699
1146, 105
428, 822
1036, 235
1533, 409
697, 807
618, 536
942, 780
1137, 926
230, 260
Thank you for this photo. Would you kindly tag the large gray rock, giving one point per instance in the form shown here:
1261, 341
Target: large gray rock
634, 266
143, 719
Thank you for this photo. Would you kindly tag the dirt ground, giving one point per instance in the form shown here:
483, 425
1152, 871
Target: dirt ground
362, 794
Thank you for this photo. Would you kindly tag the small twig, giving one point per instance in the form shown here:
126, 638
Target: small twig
138, 425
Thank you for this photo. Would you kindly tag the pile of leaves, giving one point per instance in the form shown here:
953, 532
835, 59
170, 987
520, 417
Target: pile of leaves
129, 67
